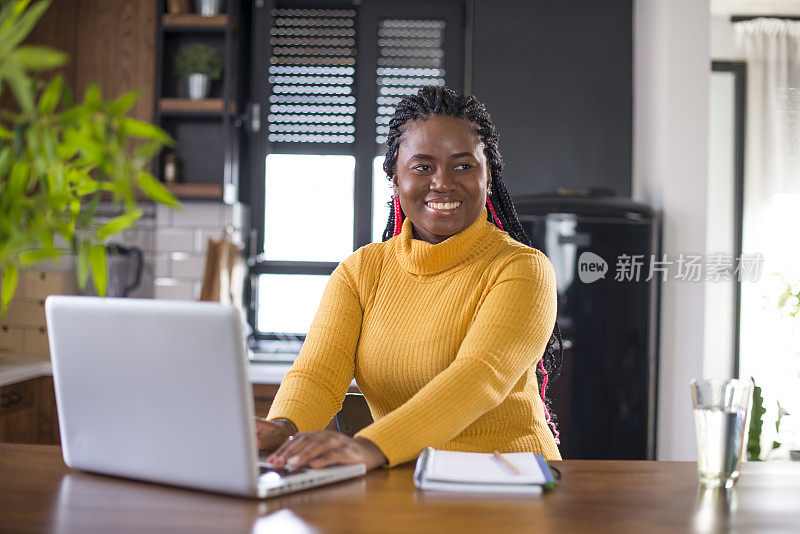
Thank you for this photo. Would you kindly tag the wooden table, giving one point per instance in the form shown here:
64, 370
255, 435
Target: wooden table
39, 494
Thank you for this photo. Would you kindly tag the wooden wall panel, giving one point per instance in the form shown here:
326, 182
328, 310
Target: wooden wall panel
55, 29
111, 42
116, 47
58, 29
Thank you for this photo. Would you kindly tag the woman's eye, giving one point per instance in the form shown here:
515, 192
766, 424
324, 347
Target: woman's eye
422, 167
464, 166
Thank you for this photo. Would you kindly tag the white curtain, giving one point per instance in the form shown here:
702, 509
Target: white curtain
769, 349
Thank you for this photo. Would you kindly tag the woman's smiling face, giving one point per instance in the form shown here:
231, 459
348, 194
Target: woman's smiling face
441, 176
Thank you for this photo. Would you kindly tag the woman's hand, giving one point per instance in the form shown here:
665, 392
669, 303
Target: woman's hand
271, 434
325, 447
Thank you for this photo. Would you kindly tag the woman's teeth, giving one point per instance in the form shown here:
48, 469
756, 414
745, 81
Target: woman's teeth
444, 205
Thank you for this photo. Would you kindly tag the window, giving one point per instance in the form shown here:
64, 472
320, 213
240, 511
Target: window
327, 77
300, 184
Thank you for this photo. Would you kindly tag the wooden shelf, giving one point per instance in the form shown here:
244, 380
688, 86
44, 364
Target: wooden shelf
186, 191
193, 22
183, 106
195, 191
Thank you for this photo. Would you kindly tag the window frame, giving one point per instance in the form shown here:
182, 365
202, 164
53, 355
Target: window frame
364, 150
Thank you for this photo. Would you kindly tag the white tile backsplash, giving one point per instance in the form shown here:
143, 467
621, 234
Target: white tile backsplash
171, 289
161, 266
174, 245
175, 240
199, 214
140, 237
188, 265
164, 215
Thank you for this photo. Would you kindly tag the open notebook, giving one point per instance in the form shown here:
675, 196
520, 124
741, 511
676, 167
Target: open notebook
480, 472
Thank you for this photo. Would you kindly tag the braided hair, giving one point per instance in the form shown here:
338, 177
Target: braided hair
442, 101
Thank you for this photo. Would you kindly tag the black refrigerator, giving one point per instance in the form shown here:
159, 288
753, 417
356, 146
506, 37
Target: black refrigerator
601, 250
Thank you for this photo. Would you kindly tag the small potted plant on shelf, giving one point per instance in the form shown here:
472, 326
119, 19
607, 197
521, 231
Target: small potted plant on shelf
199, 63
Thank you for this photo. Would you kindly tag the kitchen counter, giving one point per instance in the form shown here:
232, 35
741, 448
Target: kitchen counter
267, 372
14, 369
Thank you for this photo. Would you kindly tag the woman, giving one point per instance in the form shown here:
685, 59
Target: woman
442, 325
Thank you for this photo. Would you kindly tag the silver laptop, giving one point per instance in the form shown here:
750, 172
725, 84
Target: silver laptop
158, 391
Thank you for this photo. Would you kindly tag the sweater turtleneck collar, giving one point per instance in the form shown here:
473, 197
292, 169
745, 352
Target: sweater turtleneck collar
423, 258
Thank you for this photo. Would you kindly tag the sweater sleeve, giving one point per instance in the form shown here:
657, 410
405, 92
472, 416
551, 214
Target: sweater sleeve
509, 334
312, 391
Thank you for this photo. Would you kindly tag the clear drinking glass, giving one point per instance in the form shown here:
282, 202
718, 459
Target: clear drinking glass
720, 413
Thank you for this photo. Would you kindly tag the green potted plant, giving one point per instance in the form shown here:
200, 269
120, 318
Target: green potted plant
198, 63
58, 158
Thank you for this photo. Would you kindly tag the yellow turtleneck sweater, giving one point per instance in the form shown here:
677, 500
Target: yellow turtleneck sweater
442, 340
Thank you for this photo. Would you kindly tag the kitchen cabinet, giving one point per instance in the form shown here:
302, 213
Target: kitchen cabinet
28, 412
263, 395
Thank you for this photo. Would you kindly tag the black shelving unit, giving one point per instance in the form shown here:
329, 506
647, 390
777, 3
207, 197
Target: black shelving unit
206, 131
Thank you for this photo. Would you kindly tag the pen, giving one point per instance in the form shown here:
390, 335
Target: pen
509, 465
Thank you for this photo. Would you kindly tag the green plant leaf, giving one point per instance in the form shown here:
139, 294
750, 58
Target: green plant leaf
50, 143
123, 103
20, 84
117, 224
22, 22
38, 57
86, 187
92, 97
54, 165
756, 423
155, 189
17, 179
135, 128
20, 6
87, 213
146, 151
88, 147
97, 257
32, 257
74, 114
9, 286
5, 160
51, 95
46, 237
83, 263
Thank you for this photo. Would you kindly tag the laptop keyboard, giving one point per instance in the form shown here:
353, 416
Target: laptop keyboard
265, 467
282, 471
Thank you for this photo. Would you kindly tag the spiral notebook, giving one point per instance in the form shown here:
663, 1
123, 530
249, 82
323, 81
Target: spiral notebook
473, 472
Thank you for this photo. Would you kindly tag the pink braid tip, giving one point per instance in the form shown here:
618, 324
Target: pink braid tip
398, 222
494, 215
547, 417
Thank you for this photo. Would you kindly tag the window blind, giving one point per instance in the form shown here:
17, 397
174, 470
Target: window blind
312, 76
410, 56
